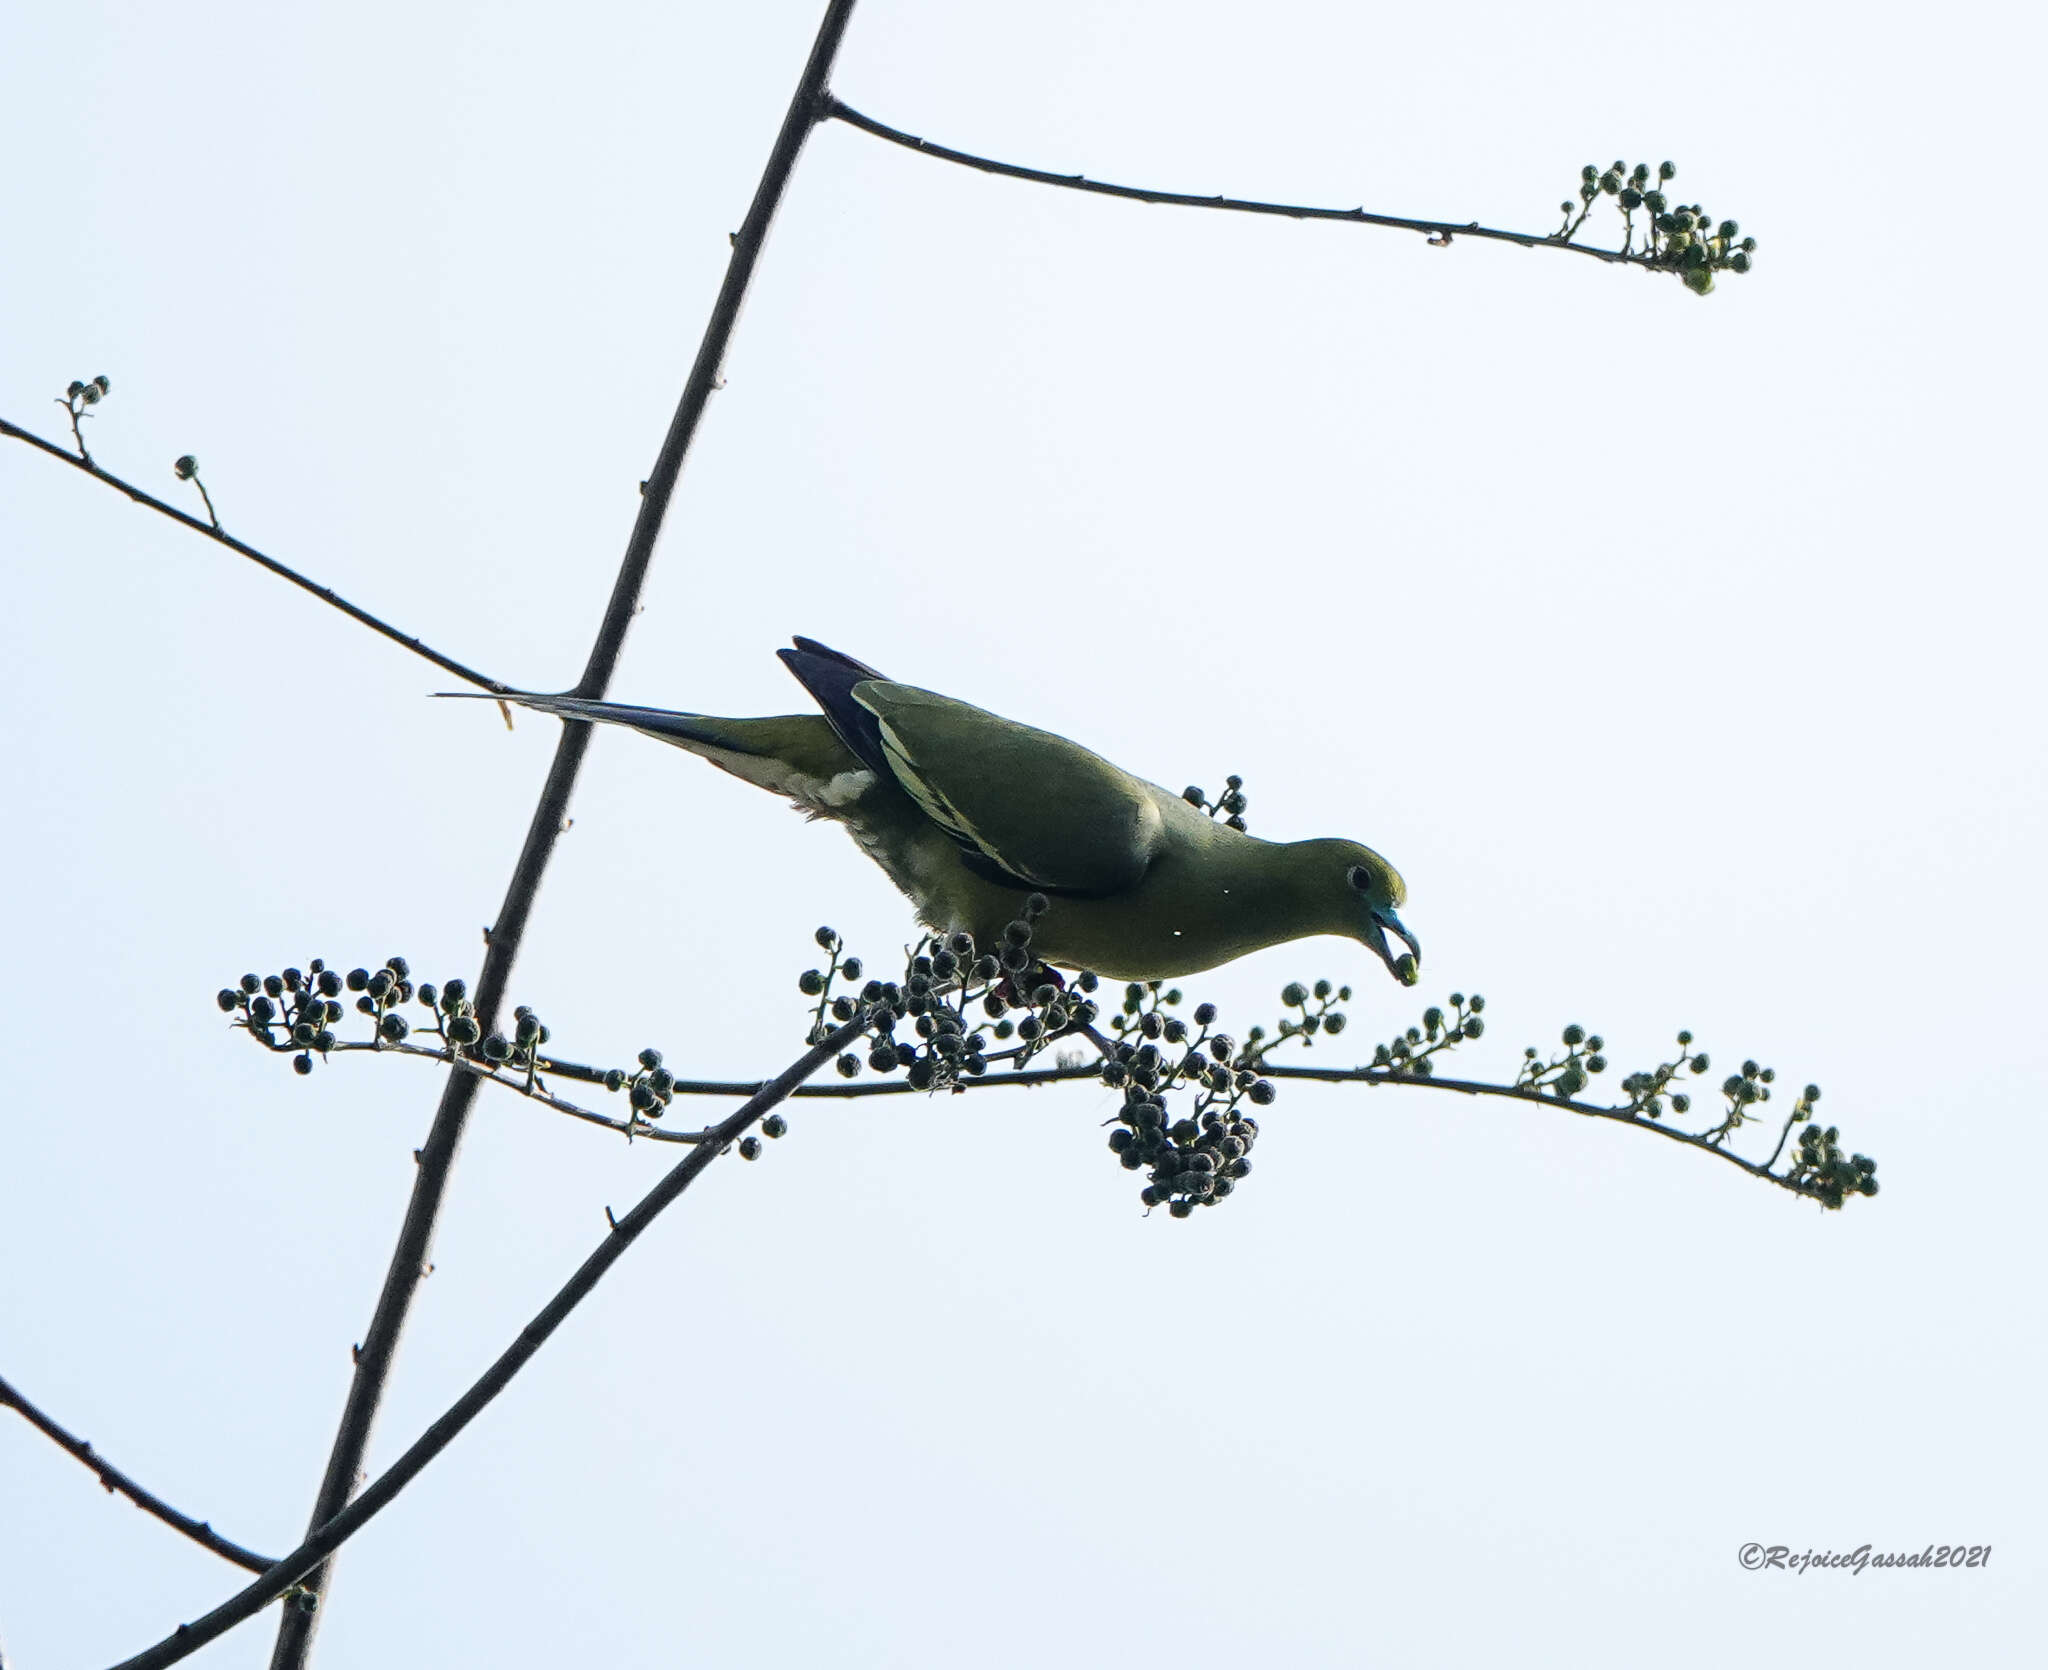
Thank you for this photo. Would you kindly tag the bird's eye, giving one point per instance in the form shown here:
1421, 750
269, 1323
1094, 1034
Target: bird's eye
1359, 878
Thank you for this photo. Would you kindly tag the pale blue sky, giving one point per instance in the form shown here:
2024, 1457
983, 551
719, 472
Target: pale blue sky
1683, 655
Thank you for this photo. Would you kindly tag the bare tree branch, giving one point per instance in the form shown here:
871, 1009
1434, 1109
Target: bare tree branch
448, 664
118, 1482
437, 1155
288, 1573
1440, 232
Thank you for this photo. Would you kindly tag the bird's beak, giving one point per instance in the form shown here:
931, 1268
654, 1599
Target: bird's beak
1407, 968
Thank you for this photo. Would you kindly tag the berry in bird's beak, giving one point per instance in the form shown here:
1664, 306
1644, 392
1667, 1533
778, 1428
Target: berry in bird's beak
1406, 968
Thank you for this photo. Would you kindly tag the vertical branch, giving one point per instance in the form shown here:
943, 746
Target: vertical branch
379, 1347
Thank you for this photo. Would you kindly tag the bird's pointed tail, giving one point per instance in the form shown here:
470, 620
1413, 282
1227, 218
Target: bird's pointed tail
656, 721
797, 755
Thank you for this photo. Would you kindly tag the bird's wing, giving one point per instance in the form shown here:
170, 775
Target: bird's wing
1025, 806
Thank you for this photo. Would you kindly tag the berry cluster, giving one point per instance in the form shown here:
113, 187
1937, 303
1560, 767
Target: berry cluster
1566, 1075
1199, 1159
1821, 1170
967, 1010
650, 1087
81, 395
305, 1006
1646, 1090
1230, 807
1409, 1055
958, 1002
1744, 1090
1680, 238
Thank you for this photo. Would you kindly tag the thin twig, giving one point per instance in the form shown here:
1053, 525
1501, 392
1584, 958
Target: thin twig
1516, 1093
75, 412
1627, 1113
486, 1072
289, 1572
437, 1155
119, 1482
447, 664
1441, 232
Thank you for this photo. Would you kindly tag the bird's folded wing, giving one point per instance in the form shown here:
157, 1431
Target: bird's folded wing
1032, 806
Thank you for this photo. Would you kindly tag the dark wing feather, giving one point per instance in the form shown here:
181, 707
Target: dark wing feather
830, 677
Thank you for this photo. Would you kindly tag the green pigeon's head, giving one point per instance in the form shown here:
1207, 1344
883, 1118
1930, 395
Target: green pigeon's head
1373, 892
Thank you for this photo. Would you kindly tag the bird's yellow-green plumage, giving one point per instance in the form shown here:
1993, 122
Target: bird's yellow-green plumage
968, 813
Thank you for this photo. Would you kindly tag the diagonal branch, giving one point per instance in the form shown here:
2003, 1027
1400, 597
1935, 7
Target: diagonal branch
447, 664
1441, 232
119, 1482
287, 1573
409, 1258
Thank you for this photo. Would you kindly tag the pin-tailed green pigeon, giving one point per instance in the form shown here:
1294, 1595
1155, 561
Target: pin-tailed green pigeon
970, 813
